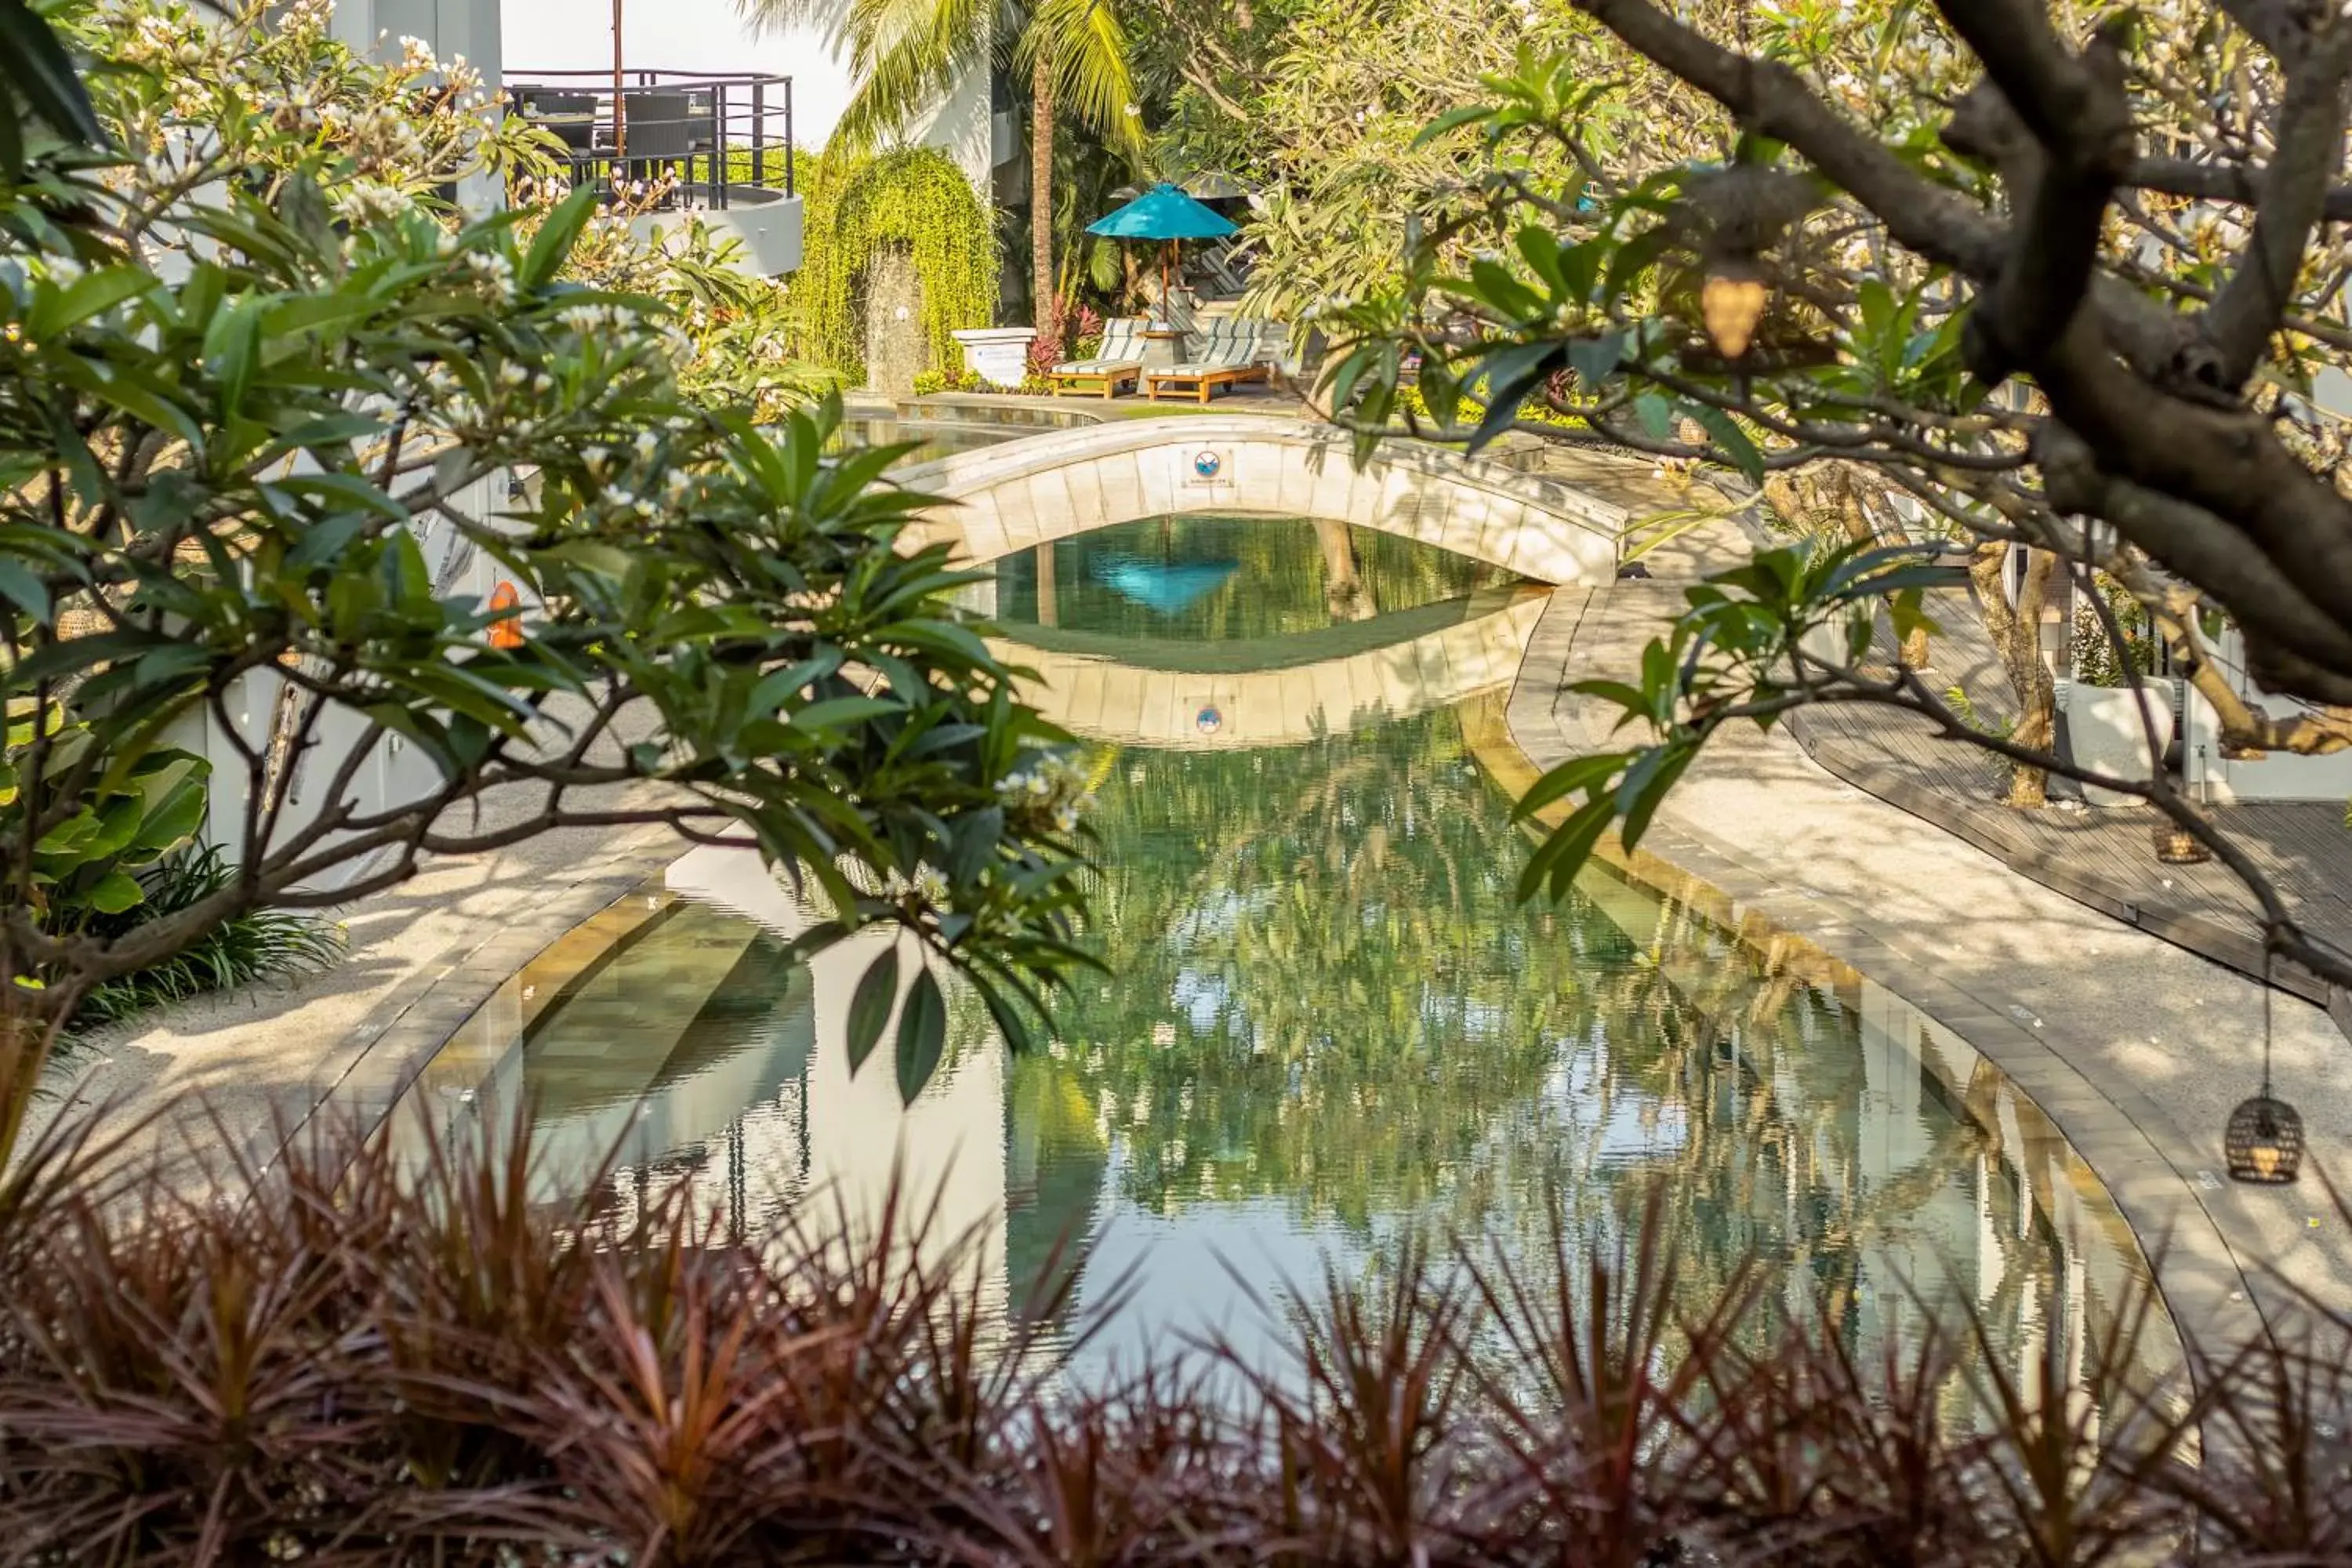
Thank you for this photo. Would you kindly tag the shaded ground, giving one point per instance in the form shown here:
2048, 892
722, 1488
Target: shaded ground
2104, 856
251, 1063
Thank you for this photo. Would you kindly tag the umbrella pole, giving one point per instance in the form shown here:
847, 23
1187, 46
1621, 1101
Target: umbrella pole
620, 120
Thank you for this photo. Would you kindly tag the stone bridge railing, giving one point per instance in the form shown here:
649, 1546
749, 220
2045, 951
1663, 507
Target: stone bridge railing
1050, 486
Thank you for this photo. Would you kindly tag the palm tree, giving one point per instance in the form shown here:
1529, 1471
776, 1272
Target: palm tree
905, 54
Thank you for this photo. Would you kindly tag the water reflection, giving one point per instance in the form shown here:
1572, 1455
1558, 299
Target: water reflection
1223, 580
1329, 1022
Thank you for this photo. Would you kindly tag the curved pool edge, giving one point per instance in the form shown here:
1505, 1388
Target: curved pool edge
2125, 1139
389, 1053
2128, 1141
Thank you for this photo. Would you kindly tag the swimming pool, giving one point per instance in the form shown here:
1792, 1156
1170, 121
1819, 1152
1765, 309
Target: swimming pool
1328, 1025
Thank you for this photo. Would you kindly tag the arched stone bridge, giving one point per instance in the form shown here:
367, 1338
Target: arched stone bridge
1040, 488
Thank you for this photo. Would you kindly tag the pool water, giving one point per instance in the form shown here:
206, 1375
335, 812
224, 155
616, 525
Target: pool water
924, 439
1328, 1026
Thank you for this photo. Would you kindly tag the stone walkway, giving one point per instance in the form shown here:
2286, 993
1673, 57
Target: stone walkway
2136, 1048
256, 1063
2103, 857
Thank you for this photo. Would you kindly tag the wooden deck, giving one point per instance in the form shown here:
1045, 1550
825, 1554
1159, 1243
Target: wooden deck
2103, 857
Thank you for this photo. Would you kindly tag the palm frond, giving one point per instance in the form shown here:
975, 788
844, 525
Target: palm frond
904, 57
1087, 49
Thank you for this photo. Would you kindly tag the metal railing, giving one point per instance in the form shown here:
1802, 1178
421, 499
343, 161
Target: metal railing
719, 137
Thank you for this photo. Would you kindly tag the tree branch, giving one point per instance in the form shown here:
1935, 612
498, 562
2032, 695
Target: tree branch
2239, 185
2309, 149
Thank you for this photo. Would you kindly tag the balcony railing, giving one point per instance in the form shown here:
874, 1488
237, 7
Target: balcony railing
719, 139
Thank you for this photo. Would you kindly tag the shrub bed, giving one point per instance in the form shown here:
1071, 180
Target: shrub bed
369, 1356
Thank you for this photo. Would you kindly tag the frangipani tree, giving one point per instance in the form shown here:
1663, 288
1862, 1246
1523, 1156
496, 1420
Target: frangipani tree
2067, 280
906, 55
245, 375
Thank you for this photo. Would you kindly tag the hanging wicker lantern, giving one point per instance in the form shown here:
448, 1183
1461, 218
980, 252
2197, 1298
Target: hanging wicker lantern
2264, 1143
1731, 302
2176, 845
1734, 215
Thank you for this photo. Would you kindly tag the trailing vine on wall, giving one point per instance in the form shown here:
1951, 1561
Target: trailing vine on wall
914, 196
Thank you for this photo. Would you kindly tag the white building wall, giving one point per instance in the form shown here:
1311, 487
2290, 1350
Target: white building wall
963, 127
467, 28
2280, 776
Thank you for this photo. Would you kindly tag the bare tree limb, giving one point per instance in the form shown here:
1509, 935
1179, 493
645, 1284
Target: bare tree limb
2310, 148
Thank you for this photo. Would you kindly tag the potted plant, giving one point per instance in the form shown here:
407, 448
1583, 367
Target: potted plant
2107, 731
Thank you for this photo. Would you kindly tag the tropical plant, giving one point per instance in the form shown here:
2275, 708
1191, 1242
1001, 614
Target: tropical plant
263, 401
2098, 659
40, 90
1318, 106
906, 56
347, 1358
736, 325
84, 867
244, 950
914, 199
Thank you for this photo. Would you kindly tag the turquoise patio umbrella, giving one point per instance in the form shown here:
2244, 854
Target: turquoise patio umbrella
1165, 586
1163, 213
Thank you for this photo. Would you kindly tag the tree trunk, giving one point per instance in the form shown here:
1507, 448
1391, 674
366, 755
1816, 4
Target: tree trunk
1041, 194
1915, 651
2017, 637
26, 1037
1862, 526
1343, 582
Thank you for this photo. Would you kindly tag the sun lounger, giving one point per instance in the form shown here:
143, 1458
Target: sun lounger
1119, 363
1230, 352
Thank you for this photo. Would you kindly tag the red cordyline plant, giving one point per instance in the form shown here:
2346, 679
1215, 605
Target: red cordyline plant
364, 1356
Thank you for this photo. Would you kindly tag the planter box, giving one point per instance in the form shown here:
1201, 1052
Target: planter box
999, 355
2106, 736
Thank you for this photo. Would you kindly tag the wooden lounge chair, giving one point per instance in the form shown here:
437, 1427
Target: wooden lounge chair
1229, 353
1119, 363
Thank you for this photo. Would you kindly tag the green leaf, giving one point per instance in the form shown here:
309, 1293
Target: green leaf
1580, 772
1656, 415
840, 713
922, 1034
38, 70
323, 543
89, 295
779, 686
232, 348
1561, 856
11, 141
869, 1006
975, 841
304, 207
1019, 1037
1504, 292
554, 239
1632, 259
1451, 121
1738, 449
348, 488
1646, 800
24, 590
115, 893
1594, 358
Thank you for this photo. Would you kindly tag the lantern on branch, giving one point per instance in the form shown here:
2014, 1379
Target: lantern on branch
1734, 215
2263, 1142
